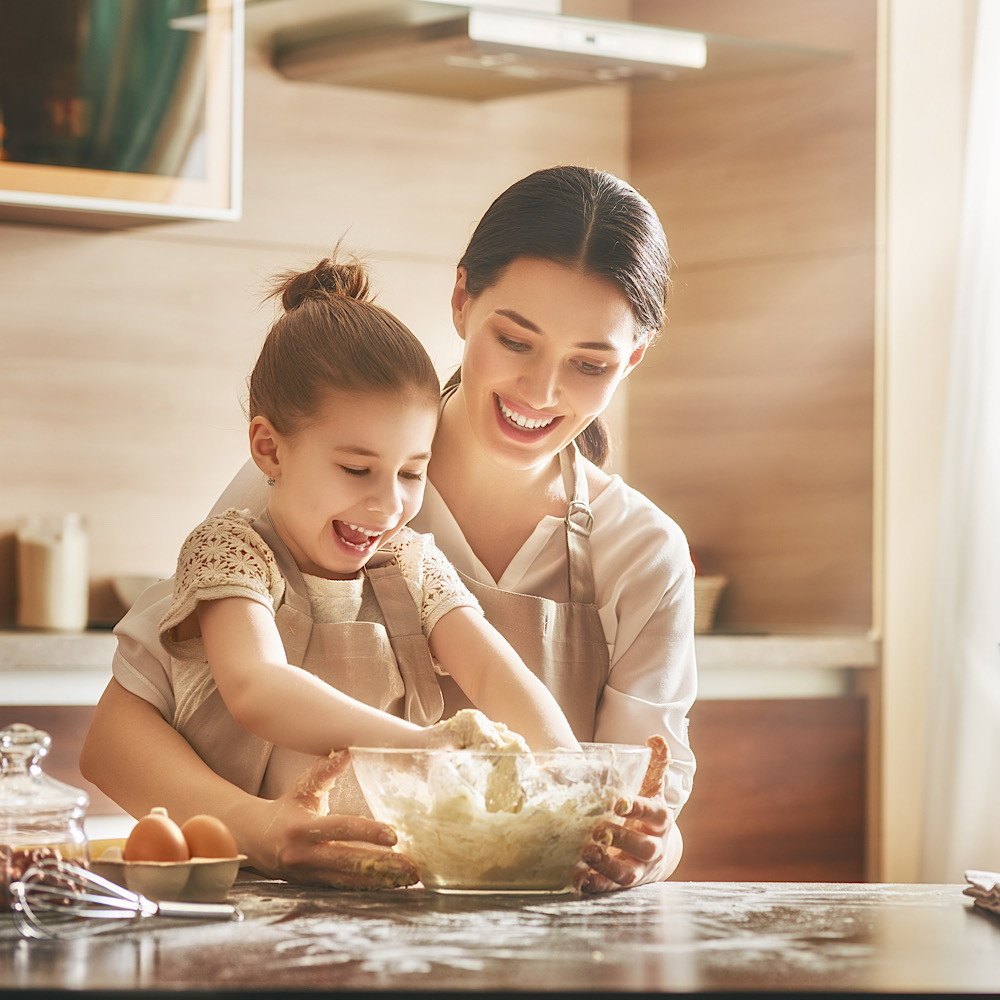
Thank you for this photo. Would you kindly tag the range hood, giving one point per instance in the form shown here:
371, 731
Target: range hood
479, 51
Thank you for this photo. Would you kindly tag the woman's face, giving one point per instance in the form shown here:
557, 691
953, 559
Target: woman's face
346, 482
545, 348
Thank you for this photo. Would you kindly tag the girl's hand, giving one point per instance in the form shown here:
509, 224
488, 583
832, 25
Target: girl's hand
293, 838
646, 847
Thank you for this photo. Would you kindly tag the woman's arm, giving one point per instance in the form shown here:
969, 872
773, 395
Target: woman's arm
496, 680
281, 703
644, 575
134, 756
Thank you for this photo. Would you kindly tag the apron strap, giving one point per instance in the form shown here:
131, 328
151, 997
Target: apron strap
579, 523
424, 702
294, 617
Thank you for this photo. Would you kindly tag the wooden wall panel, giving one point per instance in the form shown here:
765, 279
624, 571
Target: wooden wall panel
779, 794
753, 422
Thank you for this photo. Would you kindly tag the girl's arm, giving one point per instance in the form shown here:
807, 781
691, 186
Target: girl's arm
281, 703
496, 680
133, 755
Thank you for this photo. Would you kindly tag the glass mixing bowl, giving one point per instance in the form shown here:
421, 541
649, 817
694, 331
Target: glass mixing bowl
497, 821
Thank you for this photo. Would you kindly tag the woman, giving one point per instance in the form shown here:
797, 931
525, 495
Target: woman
557, 297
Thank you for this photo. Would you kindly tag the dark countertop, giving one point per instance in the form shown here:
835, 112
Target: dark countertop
681, 937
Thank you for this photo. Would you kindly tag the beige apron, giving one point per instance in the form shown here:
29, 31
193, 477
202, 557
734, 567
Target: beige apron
564, 644
388, 667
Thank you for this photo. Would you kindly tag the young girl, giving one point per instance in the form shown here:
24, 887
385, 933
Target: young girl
304, 628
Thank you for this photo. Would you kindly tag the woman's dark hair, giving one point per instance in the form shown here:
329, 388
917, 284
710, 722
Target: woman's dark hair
330, 337
585, 219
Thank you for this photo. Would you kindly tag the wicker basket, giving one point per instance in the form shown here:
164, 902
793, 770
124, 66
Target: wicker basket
707, 591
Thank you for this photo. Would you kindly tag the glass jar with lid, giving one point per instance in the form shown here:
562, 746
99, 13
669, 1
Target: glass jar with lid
39, 816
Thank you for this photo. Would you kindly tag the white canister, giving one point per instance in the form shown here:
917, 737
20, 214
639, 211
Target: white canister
53, 577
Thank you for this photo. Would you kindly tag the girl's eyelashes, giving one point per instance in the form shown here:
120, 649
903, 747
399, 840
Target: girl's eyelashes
418, 476
588, 368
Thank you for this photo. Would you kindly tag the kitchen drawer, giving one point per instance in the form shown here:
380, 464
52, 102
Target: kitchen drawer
779, 794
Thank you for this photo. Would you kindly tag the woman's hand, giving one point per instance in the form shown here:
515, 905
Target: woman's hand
647, 846
293, 838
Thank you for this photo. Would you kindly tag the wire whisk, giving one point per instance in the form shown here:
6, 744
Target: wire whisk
57, 899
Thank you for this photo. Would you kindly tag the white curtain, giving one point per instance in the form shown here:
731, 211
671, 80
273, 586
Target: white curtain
962, 791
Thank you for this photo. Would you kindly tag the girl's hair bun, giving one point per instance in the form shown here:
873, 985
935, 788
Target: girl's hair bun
327, 279
330, 337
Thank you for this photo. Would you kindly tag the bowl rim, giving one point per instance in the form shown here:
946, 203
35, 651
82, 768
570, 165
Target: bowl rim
585, 747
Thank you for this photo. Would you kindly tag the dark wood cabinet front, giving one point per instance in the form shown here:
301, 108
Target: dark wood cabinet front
779, 794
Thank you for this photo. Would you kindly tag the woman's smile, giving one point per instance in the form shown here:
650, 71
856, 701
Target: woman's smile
519, 421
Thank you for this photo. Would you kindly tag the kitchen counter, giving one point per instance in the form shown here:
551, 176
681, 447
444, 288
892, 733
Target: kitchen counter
677, 937
40, 668
55, 668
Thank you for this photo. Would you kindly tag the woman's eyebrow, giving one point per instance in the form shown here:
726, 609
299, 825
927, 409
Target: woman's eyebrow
516, 317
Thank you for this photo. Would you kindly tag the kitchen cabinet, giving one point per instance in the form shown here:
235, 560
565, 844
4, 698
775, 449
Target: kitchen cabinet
120, 113
780, 791
785, 731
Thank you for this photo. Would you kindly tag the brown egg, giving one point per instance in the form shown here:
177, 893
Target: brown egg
208, 837
156, 837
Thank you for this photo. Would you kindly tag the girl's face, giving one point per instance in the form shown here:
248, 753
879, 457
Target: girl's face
545, 348
349, 480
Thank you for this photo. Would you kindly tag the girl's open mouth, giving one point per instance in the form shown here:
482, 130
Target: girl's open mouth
357, 538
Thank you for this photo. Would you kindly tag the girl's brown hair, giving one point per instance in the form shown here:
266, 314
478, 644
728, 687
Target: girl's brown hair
581, 218
331, 337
